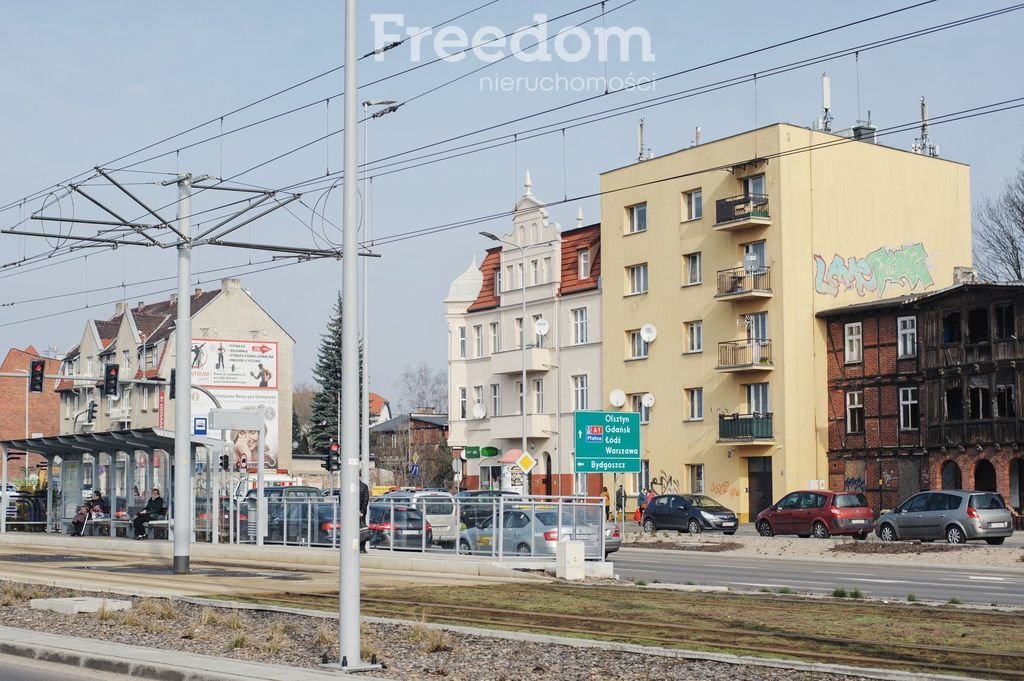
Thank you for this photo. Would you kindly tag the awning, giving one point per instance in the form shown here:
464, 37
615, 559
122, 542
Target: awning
104, 442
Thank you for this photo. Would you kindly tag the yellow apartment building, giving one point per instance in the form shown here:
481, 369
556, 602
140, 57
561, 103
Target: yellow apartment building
716, 259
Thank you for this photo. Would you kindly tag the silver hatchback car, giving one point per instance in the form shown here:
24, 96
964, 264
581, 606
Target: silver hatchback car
954, 515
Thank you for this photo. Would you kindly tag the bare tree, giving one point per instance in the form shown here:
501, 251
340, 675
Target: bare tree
999, 233
302, 404
422, 386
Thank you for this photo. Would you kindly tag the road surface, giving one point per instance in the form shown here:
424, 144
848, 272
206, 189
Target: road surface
14, 668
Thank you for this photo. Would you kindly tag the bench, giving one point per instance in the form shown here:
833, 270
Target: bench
153, 525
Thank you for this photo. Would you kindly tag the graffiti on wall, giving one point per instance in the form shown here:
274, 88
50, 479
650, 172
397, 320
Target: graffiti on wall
723, 489
904, 266
665, 484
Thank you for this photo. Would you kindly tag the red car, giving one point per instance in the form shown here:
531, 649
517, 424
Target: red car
818, 513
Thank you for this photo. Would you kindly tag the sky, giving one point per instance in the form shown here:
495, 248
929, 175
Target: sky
86, 84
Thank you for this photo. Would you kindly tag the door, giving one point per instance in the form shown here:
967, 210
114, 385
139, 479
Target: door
757, 398
757, 335
933, 520
911, 519
660, 512
759, 485
679, 513
784, 518
753, 186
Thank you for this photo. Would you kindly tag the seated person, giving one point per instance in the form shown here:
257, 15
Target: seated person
154, 509
94, 516
78, 521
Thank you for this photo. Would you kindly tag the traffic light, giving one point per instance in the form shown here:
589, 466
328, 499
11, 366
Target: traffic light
90, 415
332, 459
174, 373
225, 463
36, 375
110, 374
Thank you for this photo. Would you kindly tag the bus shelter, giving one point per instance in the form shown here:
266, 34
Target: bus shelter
123, 465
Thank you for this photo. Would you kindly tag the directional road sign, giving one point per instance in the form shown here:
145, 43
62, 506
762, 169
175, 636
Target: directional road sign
607, 441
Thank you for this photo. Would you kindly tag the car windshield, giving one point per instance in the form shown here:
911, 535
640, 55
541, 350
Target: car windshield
701, 501
983, 501
438, 506
850, 501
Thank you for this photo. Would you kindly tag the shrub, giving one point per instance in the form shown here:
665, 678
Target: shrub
839, 592
431, 640
857, 593
912, 598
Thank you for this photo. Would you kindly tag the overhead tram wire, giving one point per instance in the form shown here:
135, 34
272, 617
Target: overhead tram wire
249, 105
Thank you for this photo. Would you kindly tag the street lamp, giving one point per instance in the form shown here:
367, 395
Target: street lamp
364, 439
522, 327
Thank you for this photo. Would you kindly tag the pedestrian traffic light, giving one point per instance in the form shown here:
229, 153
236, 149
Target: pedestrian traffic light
225, 463
90, 415
110, 375
332, 459
36, 375
174, 373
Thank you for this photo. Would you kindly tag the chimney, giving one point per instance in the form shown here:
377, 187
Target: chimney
120, 308
140, 305
229, 284
198, 292
964, 275
174, 299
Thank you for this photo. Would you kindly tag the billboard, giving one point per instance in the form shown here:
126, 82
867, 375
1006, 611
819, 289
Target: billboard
234, 363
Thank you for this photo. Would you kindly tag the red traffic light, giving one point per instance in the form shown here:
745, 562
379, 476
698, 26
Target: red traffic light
335, 448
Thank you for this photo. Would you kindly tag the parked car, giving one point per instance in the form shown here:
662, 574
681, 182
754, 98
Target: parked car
479, 504
820, 513
439, 507
954, 515
526, 533
278, 498
693, 513
400, 527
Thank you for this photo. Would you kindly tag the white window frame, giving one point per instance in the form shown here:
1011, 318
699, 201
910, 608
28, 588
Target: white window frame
519, 333
696, 471
583, 264
637, 278
909, 396
538, 395
693, 203
694, 337
759, 398
855, 400
497, 281
580, 329
853, 343
695, 404
519, 394
478, 339
581, 392
692, 274
538, 340
478, 395
545, 271
462, 342
907, 328
636, 403
495, 399
638, 347
534, 272
495, 337
463, 399
636, 218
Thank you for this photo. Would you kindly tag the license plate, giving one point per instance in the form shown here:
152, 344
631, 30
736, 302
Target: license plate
728, 523
858, 521
407, 532
998, 524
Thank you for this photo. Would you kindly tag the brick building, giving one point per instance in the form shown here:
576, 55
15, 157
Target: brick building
419, 438
923, 393
43, 408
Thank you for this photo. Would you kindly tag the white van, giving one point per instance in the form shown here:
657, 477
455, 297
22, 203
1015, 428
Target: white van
438, 507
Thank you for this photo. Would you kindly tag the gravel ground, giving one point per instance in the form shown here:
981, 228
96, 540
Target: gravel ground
409, 652
840, 549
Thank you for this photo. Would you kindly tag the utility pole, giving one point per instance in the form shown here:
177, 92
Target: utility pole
183, 388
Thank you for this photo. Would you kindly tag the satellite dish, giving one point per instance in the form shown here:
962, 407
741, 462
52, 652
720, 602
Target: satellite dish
751, 262
647, 400
478, 411
542, 327
456, 466
617, 398
648, 332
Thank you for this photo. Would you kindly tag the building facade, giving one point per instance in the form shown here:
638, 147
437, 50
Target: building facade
27, 414
560, 275
716, 260
411, 449
923, 394
238, 353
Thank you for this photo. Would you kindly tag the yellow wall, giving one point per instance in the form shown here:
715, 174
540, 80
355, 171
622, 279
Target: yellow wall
849, 199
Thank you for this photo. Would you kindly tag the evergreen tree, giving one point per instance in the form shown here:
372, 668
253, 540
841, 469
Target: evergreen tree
324, 426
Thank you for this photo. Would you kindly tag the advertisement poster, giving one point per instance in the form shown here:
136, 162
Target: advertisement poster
234, 363
245, 443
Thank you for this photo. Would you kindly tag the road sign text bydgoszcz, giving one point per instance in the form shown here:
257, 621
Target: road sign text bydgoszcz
607, 441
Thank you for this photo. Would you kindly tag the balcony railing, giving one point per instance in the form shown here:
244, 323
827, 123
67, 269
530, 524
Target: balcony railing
739, 282
743, 427
753, 353
966, 433
749, 208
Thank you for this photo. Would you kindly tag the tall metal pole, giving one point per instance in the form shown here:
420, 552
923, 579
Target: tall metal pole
183, 389
348, 579
364, 384
522, 346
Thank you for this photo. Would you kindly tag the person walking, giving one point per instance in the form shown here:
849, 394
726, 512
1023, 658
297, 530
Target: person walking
620, 500
607, 503
364, 505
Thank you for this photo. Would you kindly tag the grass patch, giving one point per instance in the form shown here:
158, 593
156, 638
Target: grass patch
640, 582
239, 641
431, 640
840, 592
159, 608
783, 590
857, 594
276, 639
325, 636
954, 601
129, 619
104, 614
912, 597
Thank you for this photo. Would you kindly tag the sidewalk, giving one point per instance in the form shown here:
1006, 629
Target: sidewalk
146, 663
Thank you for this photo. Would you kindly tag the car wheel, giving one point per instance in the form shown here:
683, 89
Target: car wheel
693, 527
887, 532
820, 531
954, 535
464, 546
764, 528
860, 536
996, 541
649, 526
523, 550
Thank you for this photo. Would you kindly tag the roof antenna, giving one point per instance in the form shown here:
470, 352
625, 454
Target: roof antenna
696, 137
825, 122
579, 217
643, 153
923, 145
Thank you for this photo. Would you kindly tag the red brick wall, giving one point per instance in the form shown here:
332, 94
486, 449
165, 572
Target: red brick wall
43, 408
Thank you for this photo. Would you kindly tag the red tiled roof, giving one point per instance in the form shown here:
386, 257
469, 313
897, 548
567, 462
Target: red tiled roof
574, 241
376, 403
488, 298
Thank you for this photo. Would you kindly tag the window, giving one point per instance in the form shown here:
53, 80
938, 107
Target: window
495, 399
981, 402
534, 272
691, 269
519, 394
754, 186
637, 345
519, 332
522, 275
579, 326
462, 403
909, 414
855, 411
953, 403
637, 216
538, 337
637, 279
951, 332
1005, 327
695, 404
583, 264
1006, 403
155, 396
854, 349
907, 327
636, 403
580, 392
538, 395
462, 342
497, 281
977, 325
478, 339
757, 398
695, 336
495, 337
509, 282
546, 271
694, 205
696, 478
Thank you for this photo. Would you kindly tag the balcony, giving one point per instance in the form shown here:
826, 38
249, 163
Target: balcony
511, 361
741, 284
754, 429
511, 427
753, 354
120, 414
741, 212
969, 433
